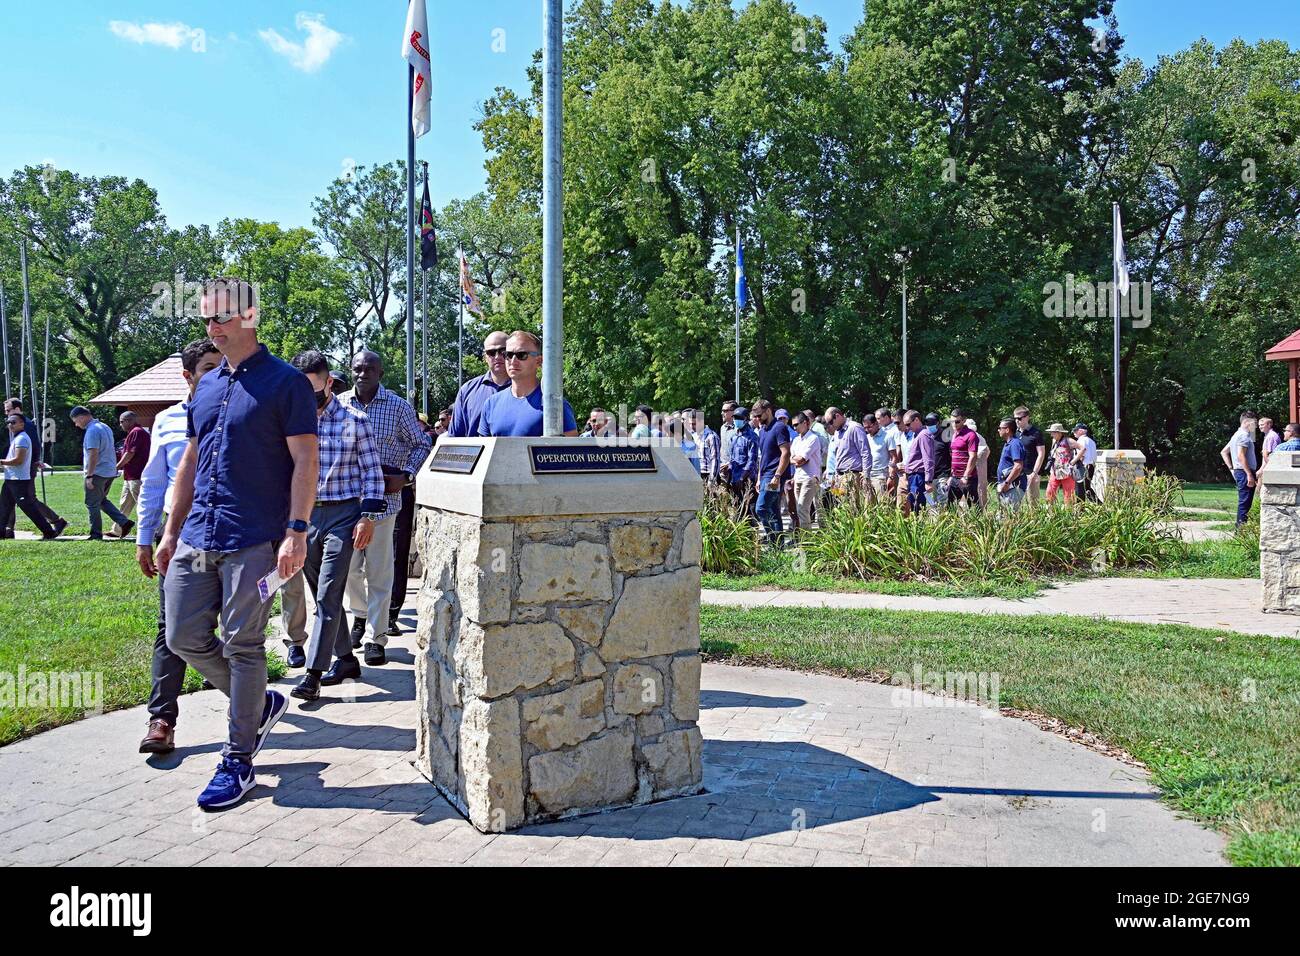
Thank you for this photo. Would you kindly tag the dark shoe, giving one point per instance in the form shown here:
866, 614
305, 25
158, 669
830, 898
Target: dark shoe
161, 738
358, 632
59, 527
394, 628
295, 656
233, 779
272, 710
126, 528
375, 655
345, 668
308, 688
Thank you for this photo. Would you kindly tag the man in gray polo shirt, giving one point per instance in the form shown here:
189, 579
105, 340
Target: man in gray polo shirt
1239, 456
99, 464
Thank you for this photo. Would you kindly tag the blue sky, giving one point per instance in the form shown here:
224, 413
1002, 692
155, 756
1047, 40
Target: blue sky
258, 112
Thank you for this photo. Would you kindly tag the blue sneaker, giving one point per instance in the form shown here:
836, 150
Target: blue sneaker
233, 779
274, 708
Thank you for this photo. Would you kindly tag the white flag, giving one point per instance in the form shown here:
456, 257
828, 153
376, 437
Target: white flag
1121, 262
415, 51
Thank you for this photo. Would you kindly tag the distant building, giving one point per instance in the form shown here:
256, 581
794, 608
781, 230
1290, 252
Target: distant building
1288, 350
150, 392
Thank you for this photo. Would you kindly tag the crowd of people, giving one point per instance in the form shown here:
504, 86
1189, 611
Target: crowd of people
781, 468
285, 475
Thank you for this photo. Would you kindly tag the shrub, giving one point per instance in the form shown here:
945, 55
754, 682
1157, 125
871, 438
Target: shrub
731, 542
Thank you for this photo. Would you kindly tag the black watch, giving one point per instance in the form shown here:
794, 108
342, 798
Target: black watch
297, 525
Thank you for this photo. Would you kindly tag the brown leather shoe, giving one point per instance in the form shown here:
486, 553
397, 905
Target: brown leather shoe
160, 739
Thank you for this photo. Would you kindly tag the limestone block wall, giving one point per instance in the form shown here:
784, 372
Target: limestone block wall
1279, 539
558, 662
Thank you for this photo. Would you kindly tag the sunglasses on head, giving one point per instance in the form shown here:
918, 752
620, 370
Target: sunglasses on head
493, 353
520, 356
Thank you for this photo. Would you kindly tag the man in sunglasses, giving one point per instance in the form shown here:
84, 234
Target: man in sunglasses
517, 410
473, 395
1035, 451
243, 493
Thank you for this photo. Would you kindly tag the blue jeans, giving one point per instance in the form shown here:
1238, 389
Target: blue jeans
916, 492
769, 512
1245, 496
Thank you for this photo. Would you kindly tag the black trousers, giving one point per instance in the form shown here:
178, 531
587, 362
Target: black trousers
402, 529
21, 493
7, 527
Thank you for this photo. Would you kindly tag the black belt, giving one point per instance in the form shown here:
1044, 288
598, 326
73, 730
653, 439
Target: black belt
341, 501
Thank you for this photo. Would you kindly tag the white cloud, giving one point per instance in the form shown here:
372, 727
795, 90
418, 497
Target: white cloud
173, 35
313, 53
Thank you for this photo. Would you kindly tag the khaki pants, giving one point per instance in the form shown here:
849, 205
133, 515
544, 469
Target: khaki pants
982, 476
127, 501
806, 490
370, 582
878, 490
1035, 489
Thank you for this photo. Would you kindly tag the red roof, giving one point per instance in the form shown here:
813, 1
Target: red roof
161, 384
1288, 348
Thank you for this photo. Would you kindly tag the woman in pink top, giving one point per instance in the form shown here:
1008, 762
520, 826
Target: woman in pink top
1061, 468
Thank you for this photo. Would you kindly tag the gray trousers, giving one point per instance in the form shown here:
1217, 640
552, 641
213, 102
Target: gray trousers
204, 588
97, 500
329, 559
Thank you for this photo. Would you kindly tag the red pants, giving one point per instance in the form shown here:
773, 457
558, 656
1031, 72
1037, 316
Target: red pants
1065, 484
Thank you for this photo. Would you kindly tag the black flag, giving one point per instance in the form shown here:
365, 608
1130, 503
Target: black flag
428, 235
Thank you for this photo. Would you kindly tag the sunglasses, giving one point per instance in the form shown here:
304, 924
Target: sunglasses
219, 319
493, 353
520, 356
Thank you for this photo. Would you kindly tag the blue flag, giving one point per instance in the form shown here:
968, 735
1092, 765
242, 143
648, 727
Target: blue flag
742, 290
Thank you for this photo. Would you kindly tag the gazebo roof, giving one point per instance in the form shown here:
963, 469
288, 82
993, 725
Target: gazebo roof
1288, 348
162, 384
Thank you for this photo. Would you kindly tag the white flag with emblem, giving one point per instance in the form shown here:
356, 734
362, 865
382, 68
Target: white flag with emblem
415, 51
1121, 261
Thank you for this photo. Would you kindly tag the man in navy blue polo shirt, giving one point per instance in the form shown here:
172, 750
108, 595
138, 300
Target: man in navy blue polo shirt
773, 459
244, 489
473, 395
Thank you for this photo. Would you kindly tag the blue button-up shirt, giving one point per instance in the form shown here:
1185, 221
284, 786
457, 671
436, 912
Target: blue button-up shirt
241, 418
468, 410
349, 462
168, 439
402, 443
744, 454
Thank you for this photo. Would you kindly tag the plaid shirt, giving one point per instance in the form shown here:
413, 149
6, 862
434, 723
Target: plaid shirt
349, 461
401, 441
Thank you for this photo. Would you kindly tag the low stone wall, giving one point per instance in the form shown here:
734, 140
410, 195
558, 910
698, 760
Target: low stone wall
1117, 468
1279, 533
558, 665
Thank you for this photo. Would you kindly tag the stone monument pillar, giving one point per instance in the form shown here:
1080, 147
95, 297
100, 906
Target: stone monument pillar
557, 664
1279, 531
1117, 467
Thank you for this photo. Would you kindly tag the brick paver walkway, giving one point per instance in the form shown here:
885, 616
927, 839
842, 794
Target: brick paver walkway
1227, 604
801, 769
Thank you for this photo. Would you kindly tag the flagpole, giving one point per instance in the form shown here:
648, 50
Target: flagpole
905, 405
424, 308
736, 296
1114, 308
410, 235
45, 407
460, 326
4, 337
27, 327
552, 210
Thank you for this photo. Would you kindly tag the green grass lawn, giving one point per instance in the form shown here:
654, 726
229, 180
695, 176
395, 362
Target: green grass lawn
1218, 497
78, 606
65, 493
1215, 716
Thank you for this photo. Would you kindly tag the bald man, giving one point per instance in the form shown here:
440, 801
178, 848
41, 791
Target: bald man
474, 394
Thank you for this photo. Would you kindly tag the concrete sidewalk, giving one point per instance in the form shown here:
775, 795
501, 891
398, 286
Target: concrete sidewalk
1228, 604
800, 769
